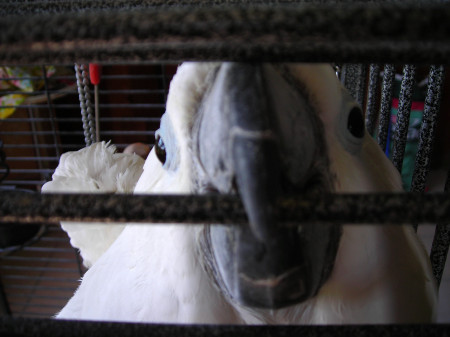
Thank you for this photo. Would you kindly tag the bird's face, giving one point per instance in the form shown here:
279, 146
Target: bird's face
262, 132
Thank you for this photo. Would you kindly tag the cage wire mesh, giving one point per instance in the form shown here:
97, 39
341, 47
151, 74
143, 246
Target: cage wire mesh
406, 105
41, 120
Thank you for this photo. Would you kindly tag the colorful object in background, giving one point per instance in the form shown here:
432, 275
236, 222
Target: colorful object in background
415, 120
14, 80
10, 101
95, 71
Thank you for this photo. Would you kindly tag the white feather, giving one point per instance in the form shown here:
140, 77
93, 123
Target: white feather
94, 169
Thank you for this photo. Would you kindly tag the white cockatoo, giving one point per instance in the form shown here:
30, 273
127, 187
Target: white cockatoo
261, 132
94, 169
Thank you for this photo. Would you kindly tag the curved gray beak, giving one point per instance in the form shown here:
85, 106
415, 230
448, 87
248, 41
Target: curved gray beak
259, 137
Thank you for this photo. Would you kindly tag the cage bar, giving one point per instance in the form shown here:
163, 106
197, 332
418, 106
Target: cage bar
404, 109
386, 103
380, 208
297, 31
372, 98
428, 127
47, 327
85, 104
441, 243
353, 77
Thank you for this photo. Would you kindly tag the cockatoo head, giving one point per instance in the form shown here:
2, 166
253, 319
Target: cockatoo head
264, 132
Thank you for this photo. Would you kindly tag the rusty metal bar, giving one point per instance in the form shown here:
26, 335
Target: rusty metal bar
396, 208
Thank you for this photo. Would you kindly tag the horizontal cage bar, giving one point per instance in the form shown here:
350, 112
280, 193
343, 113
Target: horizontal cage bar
48, 327
332, 32
389, 208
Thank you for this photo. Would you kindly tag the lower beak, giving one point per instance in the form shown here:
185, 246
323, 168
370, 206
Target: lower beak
265, 265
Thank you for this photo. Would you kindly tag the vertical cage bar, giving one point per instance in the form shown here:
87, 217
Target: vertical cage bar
51, 112
81, 97
439, 250
97, 114
441, 243
89, 109
362, 85
353, 76
85, 104
404, 111
386, 104
427, 130
372, 98
37, 150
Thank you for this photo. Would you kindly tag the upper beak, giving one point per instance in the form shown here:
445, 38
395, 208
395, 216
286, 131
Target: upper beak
258, 137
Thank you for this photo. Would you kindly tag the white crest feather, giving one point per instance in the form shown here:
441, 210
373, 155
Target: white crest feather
94, 169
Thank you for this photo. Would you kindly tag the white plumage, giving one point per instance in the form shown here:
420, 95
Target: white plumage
155, 273
94, 169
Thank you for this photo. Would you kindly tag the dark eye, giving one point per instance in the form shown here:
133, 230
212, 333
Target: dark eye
160, 150
355, 123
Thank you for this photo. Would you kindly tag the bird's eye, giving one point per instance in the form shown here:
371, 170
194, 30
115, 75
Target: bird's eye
160, 149
355, 122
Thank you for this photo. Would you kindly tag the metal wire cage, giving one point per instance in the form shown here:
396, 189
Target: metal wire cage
39, 268
368, 41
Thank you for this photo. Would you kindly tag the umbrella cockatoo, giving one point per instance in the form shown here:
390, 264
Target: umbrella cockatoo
261, 132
